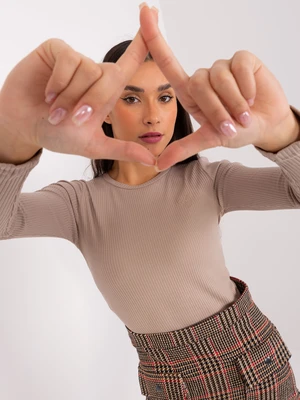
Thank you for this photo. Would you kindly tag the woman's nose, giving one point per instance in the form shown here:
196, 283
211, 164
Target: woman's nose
151, 116
152, 121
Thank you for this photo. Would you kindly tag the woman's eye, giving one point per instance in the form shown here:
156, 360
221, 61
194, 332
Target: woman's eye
170, 97
130, 97
134, 98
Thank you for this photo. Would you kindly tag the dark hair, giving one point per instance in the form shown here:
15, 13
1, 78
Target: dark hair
183, 124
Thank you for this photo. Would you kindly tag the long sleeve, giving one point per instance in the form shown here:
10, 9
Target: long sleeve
51, 211
238, 187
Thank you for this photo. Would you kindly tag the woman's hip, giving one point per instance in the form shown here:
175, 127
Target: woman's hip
235, 354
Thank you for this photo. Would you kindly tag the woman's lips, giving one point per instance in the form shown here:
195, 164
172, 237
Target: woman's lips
151, 139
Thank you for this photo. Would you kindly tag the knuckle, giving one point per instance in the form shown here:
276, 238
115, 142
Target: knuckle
241, 60
220, 79
71, 58
219, 63
50, 40
242, 53
200, 75
93, 70
238, 67
53, 41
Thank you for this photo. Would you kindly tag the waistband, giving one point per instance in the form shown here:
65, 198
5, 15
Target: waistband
200, 330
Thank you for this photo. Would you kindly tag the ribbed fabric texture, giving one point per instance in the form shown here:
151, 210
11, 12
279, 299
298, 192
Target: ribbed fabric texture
154, 249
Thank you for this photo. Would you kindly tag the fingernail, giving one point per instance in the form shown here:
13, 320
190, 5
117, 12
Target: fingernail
245, 118
82, 115
57, 116
228, 129
155, 9
142, 5
50, 97
251, 102
157, 169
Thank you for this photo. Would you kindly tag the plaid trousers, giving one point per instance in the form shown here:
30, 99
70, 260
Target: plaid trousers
232, 355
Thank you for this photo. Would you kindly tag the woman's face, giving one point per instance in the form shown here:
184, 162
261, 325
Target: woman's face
145, 109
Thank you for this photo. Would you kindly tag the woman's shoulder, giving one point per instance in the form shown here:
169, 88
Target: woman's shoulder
202, 167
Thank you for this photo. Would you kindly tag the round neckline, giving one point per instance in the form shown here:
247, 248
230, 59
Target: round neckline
112, 181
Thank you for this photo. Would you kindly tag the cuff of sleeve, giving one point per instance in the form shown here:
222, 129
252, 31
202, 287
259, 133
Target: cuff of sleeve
292, 150
288, 158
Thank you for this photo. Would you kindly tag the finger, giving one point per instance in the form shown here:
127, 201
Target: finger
204, 138
97, 102
244, 65
85, 76
160, 50
210, 104
133, 57
106, 87
103, 95
105, 147
224, 84
165, 59
63, 61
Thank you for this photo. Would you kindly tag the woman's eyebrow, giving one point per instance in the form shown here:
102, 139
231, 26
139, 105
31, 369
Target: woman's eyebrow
138, 89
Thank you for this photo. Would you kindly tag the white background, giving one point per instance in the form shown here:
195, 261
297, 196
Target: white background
58, 338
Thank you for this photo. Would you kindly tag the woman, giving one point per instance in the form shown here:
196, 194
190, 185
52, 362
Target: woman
151, 237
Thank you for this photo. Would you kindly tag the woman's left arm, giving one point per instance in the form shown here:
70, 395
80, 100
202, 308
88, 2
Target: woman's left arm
237, 102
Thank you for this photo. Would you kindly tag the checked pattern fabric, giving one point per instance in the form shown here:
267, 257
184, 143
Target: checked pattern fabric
233, 355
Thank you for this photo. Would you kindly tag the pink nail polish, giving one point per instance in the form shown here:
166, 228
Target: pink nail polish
245, 119
82, 115
57, 116
50, 97
228, 129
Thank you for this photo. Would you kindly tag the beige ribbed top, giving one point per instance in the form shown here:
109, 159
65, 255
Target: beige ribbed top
154, 249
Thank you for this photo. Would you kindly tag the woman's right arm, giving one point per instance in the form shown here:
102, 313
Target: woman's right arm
53, 211
25, 130
76, 81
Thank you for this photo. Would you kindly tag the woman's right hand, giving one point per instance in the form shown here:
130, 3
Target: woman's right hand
55, 67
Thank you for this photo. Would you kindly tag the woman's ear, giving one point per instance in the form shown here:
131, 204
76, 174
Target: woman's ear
107, 120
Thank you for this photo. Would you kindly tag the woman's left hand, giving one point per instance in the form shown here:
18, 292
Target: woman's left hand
220, 96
